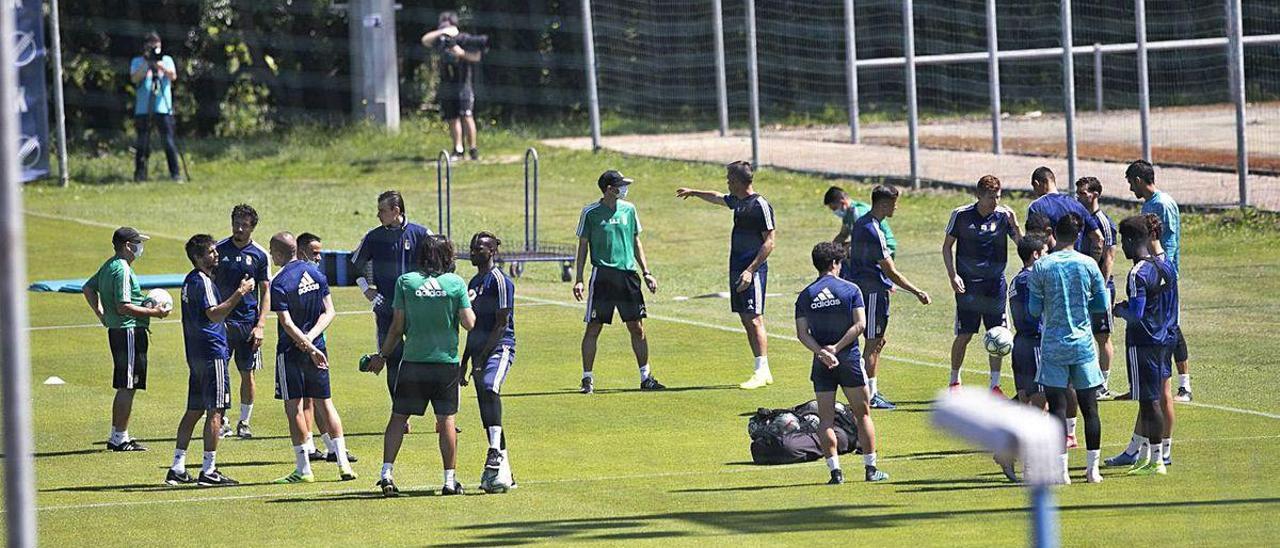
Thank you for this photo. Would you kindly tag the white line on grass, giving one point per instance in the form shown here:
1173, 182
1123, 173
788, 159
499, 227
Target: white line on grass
905, 458
99, 224
773, 335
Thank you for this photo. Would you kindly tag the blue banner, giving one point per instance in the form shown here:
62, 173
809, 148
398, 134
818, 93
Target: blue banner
33, 94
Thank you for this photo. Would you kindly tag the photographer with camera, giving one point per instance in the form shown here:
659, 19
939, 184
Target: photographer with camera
459, 52
153, 74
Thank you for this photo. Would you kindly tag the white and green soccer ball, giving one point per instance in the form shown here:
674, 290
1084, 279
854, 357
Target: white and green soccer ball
158, 299
998, 341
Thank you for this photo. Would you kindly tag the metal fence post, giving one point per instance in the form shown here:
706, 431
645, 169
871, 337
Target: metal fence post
1144, 83
589, 49
851, 68
913, 121
59, 103
722, 93
1069, 92
15, 358
1235, 28
993, 77
754, 83
1097, 76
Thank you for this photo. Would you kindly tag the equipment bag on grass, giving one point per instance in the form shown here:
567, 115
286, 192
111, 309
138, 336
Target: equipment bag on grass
785, 436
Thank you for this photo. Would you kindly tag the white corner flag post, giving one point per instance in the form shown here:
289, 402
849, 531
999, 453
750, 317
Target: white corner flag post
1011, 430
15, 360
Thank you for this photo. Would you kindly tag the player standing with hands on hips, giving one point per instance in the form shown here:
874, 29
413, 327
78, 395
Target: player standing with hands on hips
751, 242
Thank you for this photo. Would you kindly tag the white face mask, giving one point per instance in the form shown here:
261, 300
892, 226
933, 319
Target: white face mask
137, 249
840, 213
622, 191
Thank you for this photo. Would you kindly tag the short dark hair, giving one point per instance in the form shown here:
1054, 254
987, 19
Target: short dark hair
448, 17
1135, 229
833, 195
1091, 184
1154, 225
198, 245
826, 253
482, 235
437, 255
1067, 229
1039, 223
1141, 170
395, 198
1029, 245
1042, 175
740, 172
306, 238
245, 211
883, 192
989, 183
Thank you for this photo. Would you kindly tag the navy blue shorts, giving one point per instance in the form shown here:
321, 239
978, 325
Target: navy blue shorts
1149, 366
751, 300
981, 303
297, 377
1026, 364
240, 342
877, 310
496, 368
208, 385
848, 374
1102, 322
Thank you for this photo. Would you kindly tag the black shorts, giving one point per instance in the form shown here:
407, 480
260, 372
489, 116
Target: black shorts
611, 288
1180, 347
129, 356
877, 310
457, 102
422, 383
298, 377
751, 300
848, 373
982, 303
208, 385
383, 320
1026, 364
1102, 322
1149, 366
240, 342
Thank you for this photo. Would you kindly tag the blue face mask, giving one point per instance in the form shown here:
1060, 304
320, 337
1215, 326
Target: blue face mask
137, 249
840, 213
622, 191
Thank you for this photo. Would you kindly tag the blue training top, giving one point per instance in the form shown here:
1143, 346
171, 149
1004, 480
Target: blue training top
489, 293
234, 263
1019, 294
752, 217
391, 252
205, 340
1065, 288
1163, 206
981, 250
829, 304
1056, 206
867, 247
1152, 311
299, 289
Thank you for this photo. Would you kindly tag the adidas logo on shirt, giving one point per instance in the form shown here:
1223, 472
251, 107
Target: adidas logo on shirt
824, 299
431, 288
306, 284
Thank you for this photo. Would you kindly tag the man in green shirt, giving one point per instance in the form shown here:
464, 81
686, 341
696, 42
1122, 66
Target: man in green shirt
115, 296
610, 229
429, 305
848, 210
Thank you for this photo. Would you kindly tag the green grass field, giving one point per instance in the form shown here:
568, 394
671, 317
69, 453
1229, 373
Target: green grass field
618, 466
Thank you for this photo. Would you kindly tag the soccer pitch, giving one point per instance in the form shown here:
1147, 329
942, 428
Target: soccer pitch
620, 465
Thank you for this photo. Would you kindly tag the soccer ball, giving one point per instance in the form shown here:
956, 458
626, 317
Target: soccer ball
784, 423
158, 299
809, 423
998, 341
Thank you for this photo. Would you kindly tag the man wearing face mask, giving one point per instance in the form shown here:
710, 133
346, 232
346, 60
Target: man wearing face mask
848, 210
610, 230
115, 296
153, 74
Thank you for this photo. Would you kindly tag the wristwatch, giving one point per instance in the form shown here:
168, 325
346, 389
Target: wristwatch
648, 273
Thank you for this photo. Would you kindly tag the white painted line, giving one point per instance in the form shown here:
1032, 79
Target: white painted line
100, 224
162, 322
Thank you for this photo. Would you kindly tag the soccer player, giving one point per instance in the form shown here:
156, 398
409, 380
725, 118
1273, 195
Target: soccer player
848, 210
304, 309
870, 266
829, 319
1141, 176
975, 253
240, 256
383, 255
1065, 288
429, 304
1088, 191
309, 248
1026, 339
491, 351
610, 230
208, 384
1054, 205
1150, 314
751, 243
115, 297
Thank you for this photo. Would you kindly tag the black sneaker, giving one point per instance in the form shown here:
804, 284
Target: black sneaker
456, 489
872, 474
652, 383
175, 478
127, 445
588, 386
388, 487
316, 455
215, 478
474, 153
456, 156
493, 460
242, 430
1125, 396
837, 477
1182, 395
333, 457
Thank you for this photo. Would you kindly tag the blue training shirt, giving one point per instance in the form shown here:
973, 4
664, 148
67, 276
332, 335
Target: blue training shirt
752, 217
489, 293
1065, 288
1056, 206
299, 289
1019, 295
1152, 311
981, 250
1108, 228
830, 305
390, 252
234, 263
867, 247
205, 340
1163, 206
143, 102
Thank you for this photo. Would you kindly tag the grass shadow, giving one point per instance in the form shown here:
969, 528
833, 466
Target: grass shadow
747, 488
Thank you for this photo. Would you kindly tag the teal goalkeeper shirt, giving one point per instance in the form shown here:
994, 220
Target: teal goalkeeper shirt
1065, 288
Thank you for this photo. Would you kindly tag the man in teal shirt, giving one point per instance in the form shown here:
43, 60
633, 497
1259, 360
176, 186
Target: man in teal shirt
152, 74
848, 210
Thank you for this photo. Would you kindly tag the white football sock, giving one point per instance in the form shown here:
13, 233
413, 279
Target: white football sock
1166, 447
300, 456
386, 470
1071, 426
644, 372
1145, 452
762, 364
328, 443
1135, 443
1066, 465
309, 444
955, 376
871, 386
995, 379
1184, 381
1091, 458
1157, 455
340, 447
588, 374
210, 462
117, 437
179, 460
1106, 379
833, 463
869, 459
246, 411
449, 478
495, 437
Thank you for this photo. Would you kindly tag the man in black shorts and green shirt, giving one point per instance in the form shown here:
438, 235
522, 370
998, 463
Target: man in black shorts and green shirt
429, 305
610, 229
115, 296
